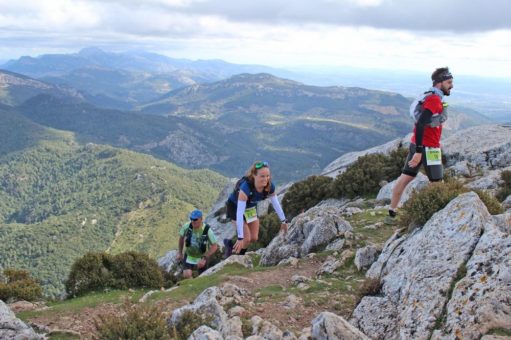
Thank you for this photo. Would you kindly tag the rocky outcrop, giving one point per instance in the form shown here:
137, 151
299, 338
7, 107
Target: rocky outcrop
206, 333
417, 270
313, 229
487, 146
13, 328
209, 306
169, 261
481, 301
330, 326
420, 182
340, 165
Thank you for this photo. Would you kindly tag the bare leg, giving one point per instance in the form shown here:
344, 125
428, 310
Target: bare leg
187, 274
254, 231
400, 186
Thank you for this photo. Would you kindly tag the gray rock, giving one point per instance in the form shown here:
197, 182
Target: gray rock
308, 231
232, 329
267, 330
206, 333
330, 265
481, 301
292, 261
336, 245
366, 256
13, 328
420, 182
244, 260
330, 326
292, 301
217, 218
487, 146
416, 272
209, 304
297, 279
491, 179
236, 311
463, 168
169, 261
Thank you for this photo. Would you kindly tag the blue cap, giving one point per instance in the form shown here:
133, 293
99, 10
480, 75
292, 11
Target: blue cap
195, 214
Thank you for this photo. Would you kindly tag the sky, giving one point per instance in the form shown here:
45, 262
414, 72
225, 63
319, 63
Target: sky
471, 37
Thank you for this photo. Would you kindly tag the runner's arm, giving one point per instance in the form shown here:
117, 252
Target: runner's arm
278, 209
240, 210
424, 119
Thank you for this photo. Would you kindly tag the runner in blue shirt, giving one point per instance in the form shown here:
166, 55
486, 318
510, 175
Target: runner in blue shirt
254, 187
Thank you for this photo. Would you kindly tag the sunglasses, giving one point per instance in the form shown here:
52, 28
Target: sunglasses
260, 165
194, 219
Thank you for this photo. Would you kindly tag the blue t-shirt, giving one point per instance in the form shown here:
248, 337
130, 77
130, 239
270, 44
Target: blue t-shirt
256, 196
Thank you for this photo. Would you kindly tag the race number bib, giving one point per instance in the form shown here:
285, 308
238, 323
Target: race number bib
251, 214
433, 156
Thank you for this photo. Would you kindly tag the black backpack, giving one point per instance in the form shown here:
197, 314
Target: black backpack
204, 238
251, 186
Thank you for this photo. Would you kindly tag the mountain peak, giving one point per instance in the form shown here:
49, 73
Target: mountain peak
91, 51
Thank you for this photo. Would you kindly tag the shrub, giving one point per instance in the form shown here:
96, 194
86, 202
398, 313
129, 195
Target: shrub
424, 203
363, 177
188, 323
505, 189
370, 287
19, 285
132, 269
269, 227
134, 322
96, 271
306, 194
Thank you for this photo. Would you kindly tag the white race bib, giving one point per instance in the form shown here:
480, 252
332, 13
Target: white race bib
433, 156
250, 214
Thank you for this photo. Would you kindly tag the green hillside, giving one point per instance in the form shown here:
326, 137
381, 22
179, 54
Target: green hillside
60, 199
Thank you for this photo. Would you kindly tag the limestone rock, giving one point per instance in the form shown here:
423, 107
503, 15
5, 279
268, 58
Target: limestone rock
366, 256
308, 231
330, 326
244, 260
13, 328
416, 272
420, 182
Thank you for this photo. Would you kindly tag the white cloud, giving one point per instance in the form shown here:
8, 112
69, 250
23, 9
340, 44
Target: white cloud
280, 33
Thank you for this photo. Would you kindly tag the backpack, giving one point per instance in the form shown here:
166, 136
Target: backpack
251, 186
204, 238
416, 110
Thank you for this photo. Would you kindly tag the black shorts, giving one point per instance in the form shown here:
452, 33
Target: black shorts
435, 173
231, 208
189, 266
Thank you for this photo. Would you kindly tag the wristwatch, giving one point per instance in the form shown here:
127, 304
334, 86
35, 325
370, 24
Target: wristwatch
419, 148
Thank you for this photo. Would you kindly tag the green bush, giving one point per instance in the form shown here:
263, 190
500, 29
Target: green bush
269, 227
97, 271
505, 189
426, 202
305, 194
132, 269
363, 177
19, 285
133, 322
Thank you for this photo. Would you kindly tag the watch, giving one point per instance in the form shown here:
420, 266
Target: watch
419, 148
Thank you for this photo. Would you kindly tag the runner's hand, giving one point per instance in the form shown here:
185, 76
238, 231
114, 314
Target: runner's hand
179, 257
237, 246
201, 264
283, 229
416, 160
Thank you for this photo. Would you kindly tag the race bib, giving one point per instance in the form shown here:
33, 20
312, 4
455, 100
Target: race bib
251, 214
433, 156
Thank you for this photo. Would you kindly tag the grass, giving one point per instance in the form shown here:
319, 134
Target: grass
88, 301
375, 236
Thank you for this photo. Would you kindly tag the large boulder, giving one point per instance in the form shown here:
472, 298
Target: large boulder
417, 270
481, 301
209, 306
486, 146
330, 326
217, 217
169, 261
313, 229
340, 165
13, 328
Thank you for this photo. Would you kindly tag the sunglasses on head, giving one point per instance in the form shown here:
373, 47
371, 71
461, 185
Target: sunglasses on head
260, 165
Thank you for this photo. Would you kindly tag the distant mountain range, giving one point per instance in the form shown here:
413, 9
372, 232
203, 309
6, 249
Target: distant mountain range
228, 124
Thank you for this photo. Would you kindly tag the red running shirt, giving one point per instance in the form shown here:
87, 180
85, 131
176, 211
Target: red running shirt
431, 134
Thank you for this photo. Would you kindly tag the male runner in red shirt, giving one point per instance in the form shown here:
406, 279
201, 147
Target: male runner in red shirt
425, 143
